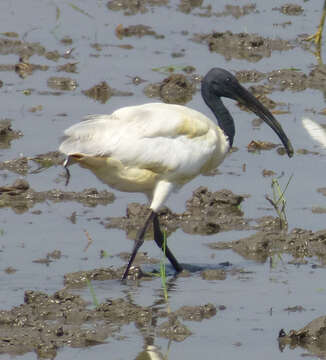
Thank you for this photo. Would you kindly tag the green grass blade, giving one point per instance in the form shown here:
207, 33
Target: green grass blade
81, 11
92, 291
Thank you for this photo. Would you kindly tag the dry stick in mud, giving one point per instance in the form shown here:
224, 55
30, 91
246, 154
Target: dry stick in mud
156, 148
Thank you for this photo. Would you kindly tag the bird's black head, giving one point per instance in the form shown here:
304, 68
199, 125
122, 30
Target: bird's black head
219, 83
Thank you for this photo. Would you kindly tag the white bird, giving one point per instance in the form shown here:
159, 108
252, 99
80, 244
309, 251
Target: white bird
156, 148
316, 131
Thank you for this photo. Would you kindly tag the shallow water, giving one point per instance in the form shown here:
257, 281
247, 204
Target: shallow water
256, 300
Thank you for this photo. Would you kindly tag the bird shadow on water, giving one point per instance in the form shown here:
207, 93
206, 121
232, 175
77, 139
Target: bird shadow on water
187, 268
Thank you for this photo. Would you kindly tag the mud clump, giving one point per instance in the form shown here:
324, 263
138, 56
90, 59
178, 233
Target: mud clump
69, 68
7, 134
21, 48
251, 47
136, 30
132, 7
288, 79
19, 166
66, 40
101, 92
22, 165
197, 313
186, 6
238, 11
270, 240
62, 83
173, 329
256, 145
249, 75
45, 323
317, 78
10, 34
51, 158
25, 50
210, 212
322, 191
294, 79
176, 89
24, 68
284, 79
20, 197
80, 278
206, 213
311, 337
290, 9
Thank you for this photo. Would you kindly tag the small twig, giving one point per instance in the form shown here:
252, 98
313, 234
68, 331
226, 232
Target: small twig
89, 240
271, 202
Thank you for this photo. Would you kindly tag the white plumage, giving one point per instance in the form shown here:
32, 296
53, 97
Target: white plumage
137, 147
156, 148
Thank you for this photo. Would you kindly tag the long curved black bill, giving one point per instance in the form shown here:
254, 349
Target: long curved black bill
247, 99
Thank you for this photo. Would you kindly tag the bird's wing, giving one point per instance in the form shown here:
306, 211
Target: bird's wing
316, 131
147, 136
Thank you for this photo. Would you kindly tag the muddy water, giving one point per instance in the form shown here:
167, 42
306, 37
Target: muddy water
245, 280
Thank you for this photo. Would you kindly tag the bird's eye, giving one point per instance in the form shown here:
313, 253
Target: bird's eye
228, 79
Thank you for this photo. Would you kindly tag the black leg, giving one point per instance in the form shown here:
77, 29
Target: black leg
138, 243
66, 163
159, 239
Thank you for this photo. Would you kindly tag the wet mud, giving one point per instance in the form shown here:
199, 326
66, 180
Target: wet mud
45, 323
7, 133
24, 69
206, 213
21, 48
136, 30
271, 240
242, 46
62, 83
20, 197
311, 337
131, 7
24, 165
102, 92
176, 89
285, 79
290, 9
